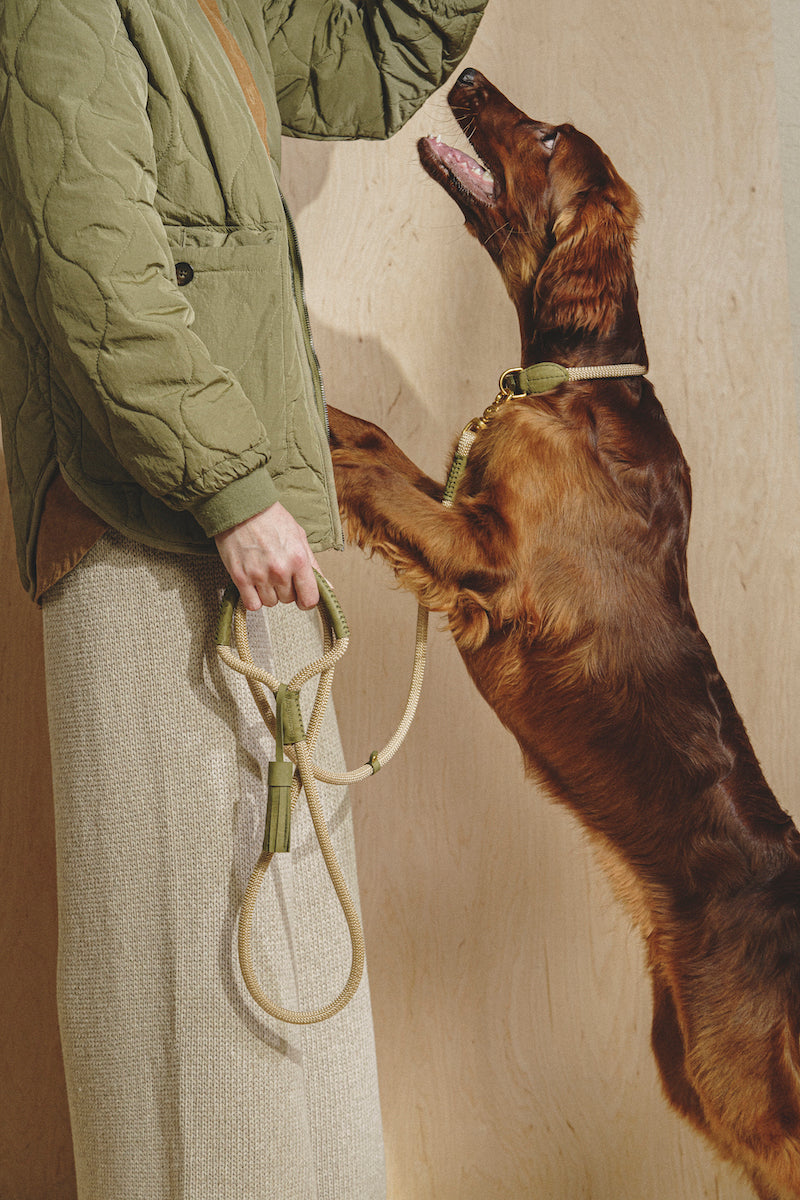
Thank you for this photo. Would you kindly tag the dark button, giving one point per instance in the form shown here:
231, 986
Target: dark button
183, 273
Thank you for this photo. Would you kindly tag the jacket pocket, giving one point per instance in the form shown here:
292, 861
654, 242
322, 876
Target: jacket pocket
237, 283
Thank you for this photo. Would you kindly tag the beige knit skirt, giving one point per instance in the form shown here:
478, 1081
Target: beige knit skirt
180, 1088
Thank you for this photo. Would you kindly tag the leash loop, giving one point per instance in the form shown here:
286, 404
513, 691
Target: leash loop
294, 770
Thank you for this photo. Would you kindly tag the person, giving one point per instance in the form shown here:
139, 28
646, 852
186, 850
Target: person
164, 426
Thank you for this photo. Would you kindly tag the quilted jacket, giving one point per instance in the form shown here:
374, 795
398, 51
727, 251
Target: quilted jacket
178, 402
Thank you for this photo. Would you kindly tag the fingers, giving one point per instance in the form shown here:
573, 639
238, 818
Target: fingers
269, 560
278, 584
306, 591
250, 596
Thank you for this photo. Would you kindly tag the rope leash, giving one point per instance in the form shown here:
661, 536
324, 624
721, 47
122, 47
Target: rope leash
519, 383
286, 779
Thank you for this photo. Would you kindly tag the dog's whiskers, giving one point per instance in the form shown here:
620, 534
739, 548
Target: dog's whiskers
509, 231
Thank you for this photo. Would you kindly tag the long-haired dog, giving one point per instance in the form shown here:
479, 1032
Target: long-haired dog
561, 567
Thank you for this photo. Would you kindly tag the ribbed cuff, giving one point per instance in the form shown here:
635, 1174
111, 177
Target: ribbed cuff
236, 502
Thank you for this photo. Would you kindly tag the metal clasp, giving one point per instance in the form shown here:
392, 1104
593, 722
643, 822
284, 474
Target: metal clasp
503, 396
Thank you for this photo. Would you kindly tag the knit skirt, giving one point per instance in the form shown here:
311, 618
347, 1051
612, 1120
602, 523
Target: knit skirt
180, 1088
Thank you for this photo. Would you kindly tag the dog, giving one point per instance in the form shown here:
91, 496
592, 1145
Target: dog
560, 564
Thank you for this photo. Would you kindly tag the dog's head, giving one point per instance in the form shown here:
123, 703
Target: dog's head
547, 204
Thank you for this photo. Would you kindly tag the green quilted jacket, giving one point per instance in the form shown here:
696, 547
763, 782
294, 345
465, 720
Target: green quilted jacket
178, 403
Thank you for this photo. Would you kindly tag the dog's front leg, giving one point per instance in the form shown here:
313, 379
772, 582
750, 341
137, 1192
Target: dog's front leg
359, 444
453, 559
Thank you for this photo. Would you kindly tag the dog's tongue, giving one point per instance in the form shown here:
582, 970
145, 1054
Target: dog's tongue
470, 174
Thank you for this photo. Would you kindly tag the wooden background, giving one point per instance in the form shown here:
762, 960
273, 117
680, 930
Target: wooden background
510, 1001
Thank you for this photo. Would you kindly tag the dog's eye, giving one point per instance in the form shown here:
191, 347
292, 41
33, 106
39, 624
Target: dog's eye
549, 139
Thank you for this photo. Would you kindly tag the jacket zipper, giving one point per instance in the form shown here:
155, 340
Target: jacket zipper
300, 300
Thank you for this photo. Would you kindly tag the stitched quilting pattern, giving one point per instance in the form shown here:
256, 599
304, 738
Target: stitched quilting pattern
170, 409
89, 272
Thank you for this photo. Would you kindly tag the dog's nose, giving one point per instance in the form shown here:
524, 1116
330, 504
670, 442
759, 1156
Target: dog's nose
468, 89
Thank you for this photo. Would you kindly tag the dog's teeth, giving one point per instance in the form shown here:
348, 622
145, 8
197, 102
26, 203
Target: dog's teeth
488, 176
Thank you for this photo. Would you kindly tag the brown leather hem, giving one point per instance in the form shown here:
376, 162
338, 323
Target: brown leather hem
67, 532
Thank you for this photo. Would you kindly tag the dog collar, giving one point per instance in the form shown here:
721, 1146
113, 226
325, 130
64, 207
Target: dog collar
517, 383
542, 377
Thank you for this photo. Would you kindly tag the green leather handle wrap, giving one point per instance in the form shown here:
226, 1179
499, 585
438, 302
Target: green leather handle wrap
225, 621
327, 597
331, 601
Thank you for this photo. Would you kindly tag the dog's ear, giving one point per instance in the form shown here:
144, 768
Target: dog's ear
586, 275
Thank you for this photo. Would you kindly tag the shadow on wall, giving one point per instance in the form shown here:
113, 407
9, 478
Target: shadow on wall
401, 265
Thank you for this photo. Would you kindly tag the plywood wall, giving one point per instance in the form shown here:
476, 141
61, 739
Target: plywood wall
510, 1001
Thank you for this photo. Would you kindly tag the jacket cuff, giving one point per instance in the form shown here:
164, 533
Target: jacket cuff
236, 502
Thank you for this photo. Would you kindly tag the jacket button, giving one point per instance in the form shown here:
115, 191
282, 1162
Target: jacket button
183, 273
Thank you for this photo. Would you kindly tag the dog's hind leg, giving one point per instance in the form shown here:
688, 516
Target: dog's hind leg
670, 1051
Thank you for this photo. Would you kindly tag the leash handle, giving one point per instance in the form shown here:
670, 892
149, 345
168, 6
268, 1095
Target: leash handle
330, 602
285, 784
327, 600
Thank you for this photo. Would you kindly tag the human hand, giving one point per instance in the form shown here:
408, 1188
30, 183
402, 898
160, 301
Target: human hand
269, 559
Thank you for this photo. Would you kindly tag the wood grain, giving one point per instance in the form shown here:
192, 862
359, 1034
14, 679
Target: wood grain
510, 1002
511, 1007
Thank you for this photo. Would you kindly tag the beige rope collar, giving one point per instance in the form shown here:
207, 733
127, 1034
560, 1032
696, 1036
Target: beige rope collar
518, 383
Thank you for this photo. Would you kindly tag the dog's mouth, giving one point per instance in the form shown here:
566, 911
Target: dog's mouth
468, 181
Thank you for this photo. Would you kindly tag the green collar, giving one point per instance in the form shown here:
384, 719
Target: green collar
542, 377
515, 384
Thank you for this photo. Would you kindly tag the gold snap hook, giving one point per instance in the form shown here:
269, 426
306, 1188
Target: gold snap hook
505, 389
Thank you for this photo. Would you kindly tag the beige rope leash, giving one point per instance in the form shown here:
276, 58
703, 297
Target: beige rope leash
287, 779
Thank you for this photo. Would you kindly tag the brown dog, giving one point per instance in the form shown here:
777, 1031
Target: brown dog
561, 566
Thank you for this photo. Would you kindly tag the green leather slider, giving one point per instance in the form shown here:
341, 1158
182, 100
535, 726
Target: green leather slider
288, 714
540, 377
288, 730
277, 830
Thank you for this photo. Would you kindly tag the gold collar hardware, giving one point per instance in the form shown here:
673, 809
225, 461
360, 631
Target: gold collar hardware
517, 383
